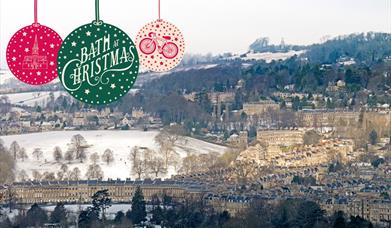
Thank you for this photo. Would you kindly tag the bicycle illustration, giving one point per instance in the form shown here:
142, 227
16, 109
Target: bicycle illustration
166, 48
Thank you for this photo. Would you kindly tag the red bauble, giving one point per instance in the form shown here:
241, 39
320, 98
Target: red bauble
32, 54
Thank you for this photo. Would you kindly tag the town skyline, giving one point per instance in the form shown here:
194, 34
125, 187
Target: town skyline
239, 23
248, 131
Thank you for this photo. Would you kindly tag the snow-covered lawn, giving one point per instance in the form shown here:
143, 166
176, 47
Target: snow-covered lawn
120, 142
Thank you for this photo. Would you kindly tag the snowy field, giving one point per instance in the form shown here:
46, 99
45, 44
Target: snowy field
32, 98
38, 98
120, 142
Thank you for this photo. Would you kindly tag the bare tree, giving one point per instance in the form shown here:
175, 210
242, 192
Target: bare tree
108, 156
22, 176
139, 168
48, 176
190, 164
153, 162
94, 172
156, 165
37, 153
22, 154
64, 168
94, 158
168, 152
167, 140
75, 174
79, 146
69, 156
81, 156
138, 164
60, 175
209, 160
37, 175
14, 149
134, 154
148, 154
171, 135
57, 154
7, 165
199, 163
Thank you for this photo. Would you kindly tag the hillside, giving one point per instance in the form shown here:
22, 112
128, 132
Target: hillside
365, 48
362, 47
359, 59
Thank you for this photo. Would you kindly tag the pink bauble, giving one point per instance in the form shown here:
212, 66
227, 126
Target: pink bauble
160, 45
32, 54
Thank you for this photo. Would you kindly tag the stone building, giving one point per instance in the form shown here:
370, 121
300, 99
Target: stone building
231, 203
379, 121
280, 137
221, 104
324, 118
298, 155
239, 141
374, 210
226, 97
261, 107
79, 120
138, 113
120, 191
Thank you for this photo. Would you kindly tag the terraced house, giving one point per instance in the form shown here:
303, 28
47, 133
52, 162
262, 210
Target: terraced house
121, 191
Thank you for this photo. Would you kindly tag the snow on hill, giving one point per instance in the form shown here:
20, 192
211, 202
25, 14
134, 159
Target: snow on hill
269, 56
31, 98
5, 77
149, 76
120, 142
39, 98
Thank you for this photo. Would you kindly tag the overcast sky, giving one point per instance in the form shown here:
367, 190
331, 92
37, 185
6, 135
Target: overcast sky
214, 26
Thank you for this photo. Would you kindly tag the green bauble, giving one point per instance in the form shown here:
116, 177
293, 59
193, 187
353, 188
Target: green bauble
98, 63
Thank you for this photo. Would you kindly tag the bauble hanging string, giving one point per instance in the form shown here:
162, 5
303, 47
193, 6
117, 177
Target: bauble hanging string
32, 53
160, 44
98, 62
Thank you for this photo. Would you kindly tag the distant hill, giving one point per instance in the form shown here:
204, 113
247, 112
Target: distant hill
198, 78
361, 60
364, 48
262, 45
